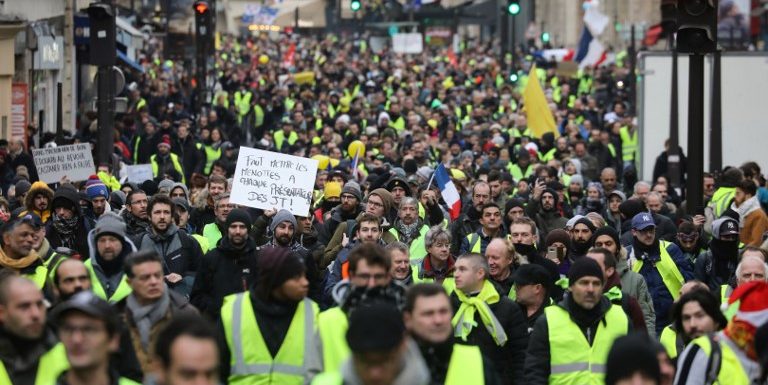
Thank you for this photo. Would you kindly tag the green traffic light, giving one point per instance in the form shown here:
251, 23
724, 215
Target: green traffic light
355, 5
545, 37
513, 8
513, 78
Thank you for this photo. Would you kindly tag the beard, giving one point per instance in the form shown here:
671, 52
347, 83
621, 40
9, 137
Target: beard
283, 240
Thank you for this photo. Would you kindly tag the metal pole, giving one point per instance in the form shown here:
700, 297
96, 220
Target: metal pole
673, 155
296, 20
716, 118
32, 99
59, 116
514, 43
632, 54
695, 167
504, 41
106, 113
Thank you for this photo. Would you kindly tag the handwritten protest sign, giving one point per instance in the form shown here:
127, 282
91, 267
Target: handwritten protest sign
73, 161
139, 173
265, 179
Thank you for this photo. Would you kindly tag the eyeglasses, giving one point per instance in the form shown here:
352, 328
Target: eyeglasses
375, 204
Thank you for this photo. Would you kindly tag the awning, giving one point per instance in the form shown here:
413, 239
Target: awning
131, 63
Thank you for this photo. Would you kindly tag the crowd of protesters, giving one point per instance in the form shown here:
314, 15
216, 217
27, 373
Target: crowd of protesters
562, 267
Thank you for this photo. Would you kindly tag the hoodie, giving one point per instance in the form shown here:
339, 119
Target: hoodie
82, 226
414, 370
39, 188
109, 276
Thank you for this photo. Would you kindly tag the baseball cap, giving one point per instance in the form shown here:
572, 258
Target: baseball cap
532, 274
181, 202
31, 219
725, 226
642, 221
375, 328
87, 302
618, 194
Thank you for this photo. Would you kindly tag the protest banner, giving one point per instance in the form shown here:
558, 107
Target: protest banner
407, 43
73, 161
265, 180
139, 173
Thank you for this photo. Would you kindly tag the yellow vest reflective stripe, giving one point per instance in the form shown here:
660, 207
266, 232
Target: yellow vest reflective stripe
328, 378
672, 343
122, 291
39, 277
212, 233
628, 144
573, 360
417, 250
666, 267
251, 361
52, 363
174, 161
466, 366
211, 156
721, 200
332, 325
731, 371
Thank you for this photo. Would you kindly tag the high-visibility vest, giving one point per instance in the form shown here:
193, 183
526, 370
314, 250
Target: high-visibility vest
474, 245
449, 283
174, 161
573, 360
258, 112
417, 250
52, 363
212, 233
731, 370
398, 125
628, 144
122, 291
203, 242
721, 200
517, 173
332, 325
466, 366
250, 360
669, 272
672, 341
280, 138
243, 102
211, 155
612, 149
39, 277
549, 155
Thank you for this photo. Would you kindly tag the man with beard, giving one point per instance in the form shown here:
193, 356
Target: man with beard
205, 212
69, 227
542, 208
135, 214
29, 352
214, 230
98, 194
581, 237
695, 314
181, 254
717, 266
490, 219
690, 241
109, 246
38, 200
351, 196
70, 277
522, 233
661, 263
409, 228
427, 316
469, 221
228, 268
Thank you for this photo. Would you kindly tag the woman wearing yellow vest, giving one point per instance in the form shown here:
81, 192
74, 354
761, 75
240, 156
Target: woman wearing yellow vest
212, 147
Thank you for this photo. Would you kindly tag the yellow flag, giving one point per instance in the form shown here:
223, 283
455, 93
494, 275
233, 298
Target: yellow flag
540, 119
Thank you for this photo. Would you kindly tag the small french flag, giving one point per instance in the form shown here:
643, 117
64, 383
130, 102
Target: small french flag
448, 191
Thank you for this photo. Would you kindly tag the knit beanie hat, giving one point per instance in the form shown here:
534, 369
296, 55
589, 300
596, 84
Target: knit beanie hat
631, 207
585, 221
752, 298
149, 187
94, 188
238, 215
609, 231
576, 178
109, 223
117, 198
165, 141
558, 235
386, 198
165, 184
584, 267
22, 187
514, 202
276, 265
282, 216
352, 188
630, 354
332, 190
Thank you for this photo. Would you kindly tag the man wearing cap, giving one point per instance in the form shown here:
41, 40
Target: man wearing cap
735, 345
270, 331
181, 218
570, 342
661, 263
399, 188
109, 246
90, 331
181, 254
717, 266
69, 225
542, 208
98, 194
532, 284
165, 163
381, 351
228, 268
488, 319
213, 231
29, 351
38, 200
350, 206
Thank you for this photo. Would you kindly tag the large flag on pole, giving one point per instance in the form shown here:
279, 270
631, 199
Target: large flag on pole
537, 112
448, 191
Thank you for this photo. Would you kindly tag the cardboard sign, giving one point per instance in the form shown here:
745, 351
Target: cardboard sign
139, 173
408, 43
265, 180
73, 161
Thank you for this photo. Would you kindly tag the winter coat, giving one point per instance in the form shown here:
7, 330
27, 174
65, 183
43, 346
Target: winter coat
181, 255
546, 221
634, 284
29, 200
84, 224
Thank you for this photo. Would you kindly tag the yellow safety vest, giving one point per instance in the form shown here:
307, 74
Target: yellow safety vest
243, 102
671, 341
332, 325
203, 242
721, 200
280, 138
474, 243
211, 155
39, 277
52, 363
417, 250
174, 161
212, 233
398, 125
573, 360
251, 362
517, 172
669, 272
731, 370
549, 155
449, 283
466, 366
122, 291
628, 144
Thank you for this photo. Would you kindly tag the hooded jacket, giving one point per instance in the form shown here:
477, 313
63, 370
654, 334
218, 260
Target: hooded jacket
84, 224
414, 371
546, 221
181, 255
108, 282
29, 200
634, 284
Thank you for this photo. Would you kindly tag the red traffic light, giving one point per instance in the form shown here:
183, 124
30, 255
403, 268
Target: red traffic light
201, 7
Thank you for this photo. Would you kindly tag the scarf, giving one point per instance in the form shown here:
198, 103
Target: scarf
146, 316
17, 264
742, 334
408, 231
65, 228
464, 320
750, 205
132, 221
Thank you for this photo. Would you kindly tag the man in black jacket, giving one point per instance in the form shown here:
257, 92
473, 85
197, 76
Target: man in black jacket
228, 268
69, 227
487, 319
135, 215
190, 151
469, 221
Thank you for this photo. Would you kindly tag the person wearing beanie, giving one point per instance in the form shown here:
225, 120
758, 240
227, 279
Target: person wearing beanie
21, 189
38, 200
577, 333
69, 226
229, 267
612, 288
513, 208
109, 247
612, 213
271, 319
331, 198
739, 363
561, 241
543, 208
166, 164
661, 263
399, 188
723, 197
179, 190
164, 186
632, 358
351, 199
98, 194
581, 237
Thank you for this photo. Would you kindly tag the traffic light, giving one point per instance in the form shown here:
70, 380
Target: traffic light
513, 77
696, 26
103, 48
513, 7
545, 37
355, 5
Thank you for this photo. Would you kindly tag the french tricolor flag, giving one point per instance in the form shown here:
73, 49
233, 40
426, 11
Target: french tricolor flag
448, 191
591, 52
